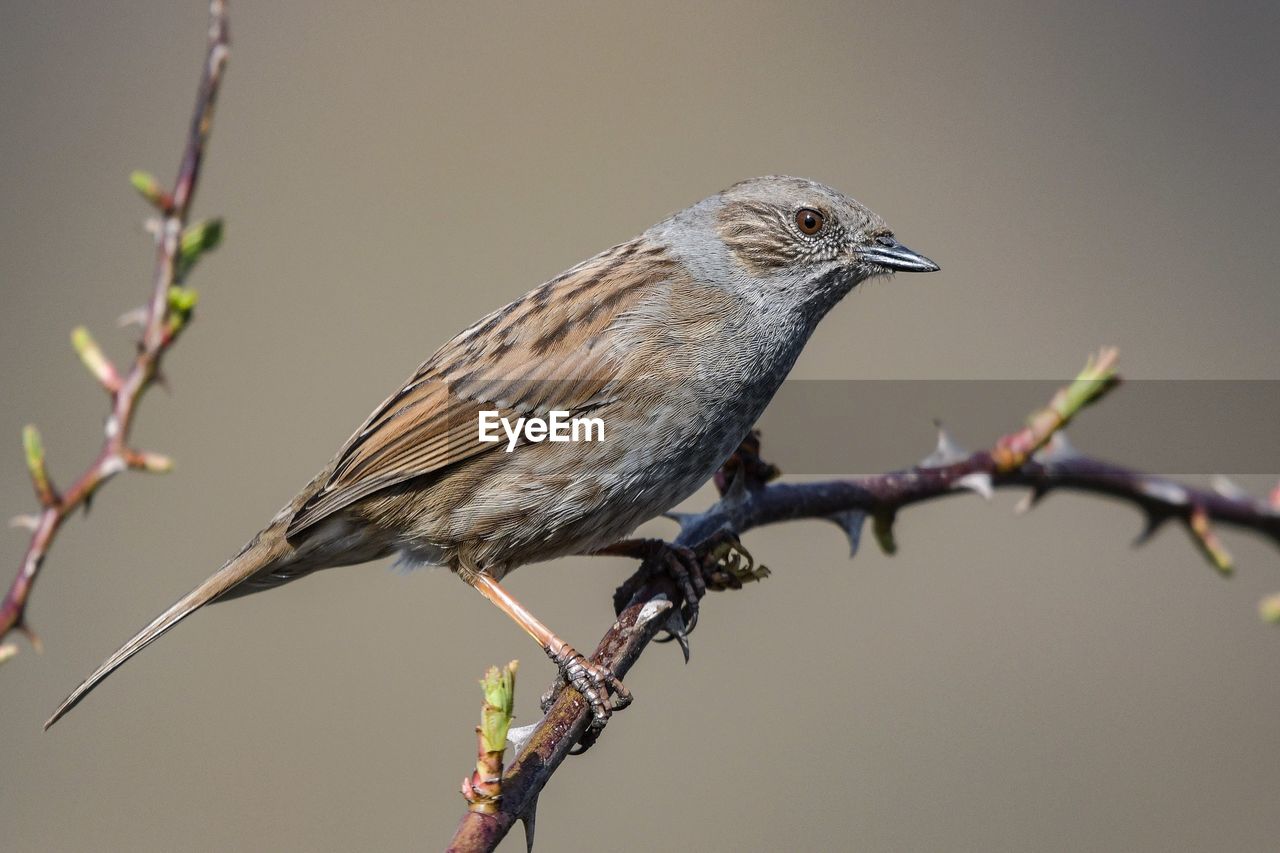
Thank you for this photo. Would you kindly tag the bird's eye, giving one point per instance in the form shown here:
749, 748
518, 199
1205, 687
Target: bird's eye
809, 221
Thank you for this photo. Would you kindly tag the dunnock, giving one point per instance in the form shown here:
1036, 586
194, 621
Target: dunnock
675, 340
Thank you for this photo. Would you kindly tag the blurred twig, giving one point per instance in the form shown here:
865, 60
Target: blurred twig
1037, 457
168, 312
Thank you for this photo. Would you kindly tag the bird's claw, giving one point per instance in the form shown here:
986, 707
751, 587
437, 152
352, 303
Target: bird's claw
684, 567
678, 562
726, 564
593, 681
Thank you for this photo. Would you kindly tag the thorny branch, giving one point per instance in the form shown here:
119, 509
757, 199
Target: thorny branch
165, 316
1037, 458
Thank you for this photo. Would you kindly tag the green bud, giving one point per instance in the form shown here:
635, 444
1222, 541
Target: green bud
92, 357
149, 188
1269, 609
882, 527
197, 239
499, 687
33, 446
182, 300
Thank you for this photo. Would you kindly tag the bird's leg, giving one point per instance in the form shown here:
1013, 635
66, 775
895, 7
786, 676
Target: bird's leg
593, 681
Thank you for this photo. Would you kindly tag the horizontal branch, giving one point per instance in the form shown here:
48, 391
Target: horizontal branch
1037, 458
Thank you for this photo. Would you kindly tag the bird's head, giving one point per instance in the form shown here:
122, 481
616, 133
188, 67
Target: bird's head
792, 239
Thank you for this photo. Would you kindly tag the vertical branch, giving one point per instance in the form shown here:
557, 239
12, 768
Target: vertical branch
168, 312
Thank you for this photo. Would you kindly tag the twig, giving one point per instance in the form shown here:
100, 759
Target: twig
167, 314
1038, 458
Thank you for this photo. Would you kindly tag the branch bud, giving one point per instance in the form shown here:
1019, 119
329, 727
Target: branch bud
1098, 377
33, 445
204, 236
1210, 545
182, 303
882, 527
1269, 609
152, 463
149, 188
92, 358
483, 788
499, 686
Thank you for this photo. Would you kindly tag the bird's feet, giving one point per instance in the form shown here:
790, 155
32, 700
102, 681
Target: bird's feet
724, 564
678, 562
592, 681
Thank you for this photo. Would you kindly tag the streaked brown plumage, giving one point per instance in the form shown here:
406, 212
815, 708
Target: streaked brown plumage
676, 340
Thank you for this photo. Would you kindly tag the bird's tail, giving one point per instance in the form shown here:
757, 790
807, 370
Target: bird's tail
266, 551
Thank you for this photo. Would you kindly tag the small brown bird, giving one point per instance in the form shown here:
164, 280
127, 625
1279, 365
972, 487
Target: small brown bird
674, 341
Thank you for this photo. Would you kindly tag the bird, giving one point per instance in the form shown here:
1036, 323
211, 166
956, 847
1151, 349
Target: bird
675, 341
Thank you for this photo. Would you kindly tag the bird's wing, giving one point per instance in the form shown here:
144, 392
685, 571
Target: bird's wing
550, 349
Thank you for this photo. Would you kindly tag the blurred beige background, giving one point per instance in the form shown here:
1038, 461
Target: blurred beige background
1085, 173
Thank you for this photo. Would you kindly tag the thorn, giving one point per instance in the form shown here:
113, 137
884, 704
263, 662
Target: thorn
1228, 488
1058, 449
135, 317
1030, 499
882, 526
153, 226
736, 492
529, 818
25, 521
681, 518
7, 651
651, 610
1165, 491
1152, 521
1202, 531
519, 736
851, 521
978, 482
946, 451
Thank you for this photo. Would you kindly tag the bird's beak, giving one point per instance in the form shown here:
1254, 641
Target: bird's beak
890, 254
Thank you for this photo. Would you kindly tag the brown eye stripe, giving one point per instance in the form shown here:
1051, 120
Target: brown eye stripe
760, 235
